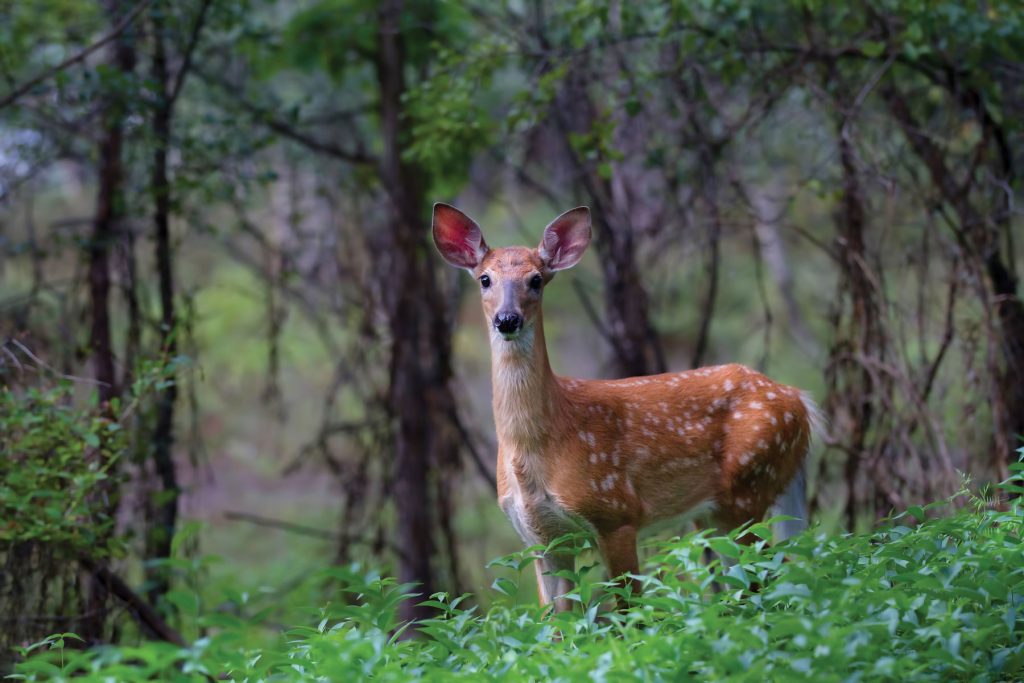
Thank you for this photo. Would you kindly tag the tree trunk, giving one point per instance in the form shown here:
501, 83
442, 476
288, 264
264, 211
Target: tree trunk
105, 233
634, 341
106, 222
851, 385
981, 244
419, 394
773, 251
164, 518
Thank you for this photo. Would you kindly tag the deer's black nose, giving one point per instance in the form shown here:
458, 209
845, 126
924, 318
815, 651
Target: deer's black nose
508, 323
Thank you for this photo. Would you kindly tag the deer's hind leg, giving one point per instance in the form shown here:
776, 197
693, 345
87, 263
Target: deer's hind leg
618, 548
551, 588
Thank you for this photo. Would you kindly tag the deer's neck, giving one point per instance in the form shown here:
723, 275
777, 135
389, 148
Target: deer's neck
528, 400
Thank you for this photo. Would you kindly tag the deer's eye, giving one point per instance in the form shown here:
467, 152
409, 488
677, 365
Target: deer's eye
536, 281
485, 281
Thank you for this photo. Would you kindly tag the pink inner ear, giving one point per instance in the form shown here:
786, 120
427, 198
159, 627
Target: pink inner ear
566, 238
457, 237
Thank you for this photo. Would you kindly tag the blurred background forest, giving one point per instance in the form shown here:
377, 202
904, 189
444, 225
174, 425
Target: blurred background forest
225, 331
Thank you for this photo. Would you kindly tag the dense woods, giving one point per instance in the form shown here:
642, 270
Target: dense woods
225, 331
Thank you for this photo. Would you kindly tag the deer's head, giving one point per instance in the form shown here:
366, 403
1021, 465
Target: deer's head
511, 279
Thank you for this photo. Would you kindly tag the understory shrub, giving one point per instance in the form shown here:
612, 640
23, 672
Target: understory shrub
928, 596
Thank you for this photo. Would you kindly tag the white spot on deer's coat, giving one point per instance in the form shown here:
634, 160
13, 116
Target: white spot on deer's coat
788, 417
593, 458
756, 405
745, 457
609, 481
772, 418
770, 395
728, 385
615, 459
761, 444
737, 415
590, 439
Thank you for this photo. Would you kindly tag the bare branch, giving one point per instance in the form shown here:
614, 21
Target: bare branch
186, 64
144, 613
118, 29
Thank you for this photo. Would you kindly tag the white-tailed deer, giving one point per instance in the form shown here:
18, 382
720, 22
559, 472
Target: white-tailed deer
611, 456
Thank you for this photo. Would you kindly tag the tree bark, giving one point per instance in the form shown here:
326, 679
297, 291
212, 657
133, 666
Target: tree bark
419, 395
165, 516
773, 251
859, 388
852, 389
106, 221
982, 244
105, 233
635, 342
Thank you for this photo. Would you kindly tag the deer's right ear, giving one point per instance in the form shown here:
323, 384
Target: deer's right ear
458, 237
565, 239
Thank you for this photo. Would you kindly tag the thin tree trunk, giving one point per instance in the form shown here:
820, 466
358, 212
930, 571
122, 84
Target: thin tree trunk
773, 251
105, 233
854, 258
161, 533
106, 224
708, 156
980, 242
419, 395
851, 385
635, 342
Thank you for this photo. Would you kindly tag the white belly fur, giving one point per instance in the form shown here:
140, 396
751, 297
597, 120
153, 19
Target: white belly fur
539, 518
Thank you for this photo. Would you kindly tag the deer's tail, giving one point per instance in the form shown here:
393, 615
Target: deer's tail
793, 500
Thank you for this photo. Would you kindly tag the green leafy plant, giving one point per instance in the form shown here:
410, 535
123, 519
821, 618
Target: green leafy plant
56, 461
925, 597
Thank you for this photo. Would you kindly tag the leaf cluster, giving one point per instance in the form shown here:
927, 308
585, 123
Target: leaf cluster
923, 598
56, 460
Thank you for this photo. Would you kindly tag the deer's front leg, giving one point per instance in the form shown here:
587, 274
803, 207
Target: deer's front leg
550, 588
618, 548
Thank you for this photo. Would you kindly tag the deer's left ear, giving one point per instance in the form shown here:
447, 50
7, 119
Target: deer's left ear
458, 237
565, 239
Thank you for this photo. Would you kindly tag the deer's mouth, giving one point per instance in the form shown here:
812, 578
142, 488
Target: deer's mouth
519, 336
